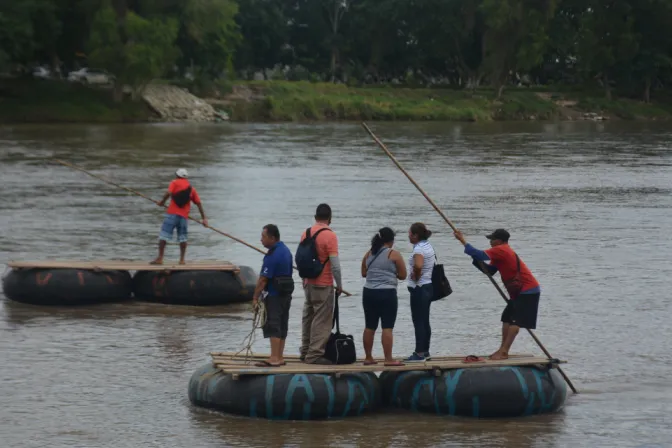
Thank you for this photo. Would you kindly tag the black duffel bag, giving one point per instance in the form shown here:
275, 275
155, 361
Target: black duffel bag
340, 348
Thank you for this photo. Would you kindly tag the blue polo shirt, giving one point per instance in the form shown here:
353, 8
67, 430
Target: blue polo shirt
277, 263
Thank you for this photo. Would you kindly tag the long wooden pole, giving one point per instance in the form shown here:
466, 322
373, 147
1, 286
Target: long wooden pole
137, 193
445, 218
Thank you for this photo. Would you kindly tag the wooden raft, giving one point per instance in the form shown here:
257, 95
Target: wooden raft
125, 265
237, 365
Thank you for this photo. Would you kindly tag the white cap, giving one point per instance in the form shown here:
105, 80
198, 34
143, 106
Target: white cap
182, 173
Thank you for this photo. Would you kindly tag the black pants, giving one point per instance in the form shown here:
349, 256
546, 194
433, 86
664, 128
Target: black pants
277, 316
380, 305
421, 299
522, 311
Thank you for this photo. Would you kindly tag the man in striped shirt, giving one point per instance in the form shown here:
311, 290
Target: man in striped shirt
524, 290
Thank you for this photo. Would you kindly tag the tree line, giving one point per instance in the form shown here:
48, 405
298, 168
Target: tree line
624, 44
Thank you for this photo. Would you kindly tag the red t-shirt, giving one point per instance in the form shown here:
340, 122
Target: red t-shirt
504, 259
176, 186
326, 243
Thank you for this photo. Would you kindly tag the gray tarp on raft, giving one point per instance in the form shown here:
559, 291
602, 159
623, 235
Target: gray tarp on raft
285, 396
477, 392
64, 287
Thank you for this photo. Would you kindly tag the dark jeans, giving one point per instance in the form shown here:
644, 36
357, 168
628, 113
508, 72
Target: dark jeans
421, 299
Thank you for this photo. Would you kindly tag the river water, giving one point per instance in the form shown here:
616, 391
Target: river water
589, 207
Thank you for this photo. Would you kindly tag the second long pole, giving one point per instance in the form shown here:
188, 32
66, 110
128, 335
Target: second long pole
445, 218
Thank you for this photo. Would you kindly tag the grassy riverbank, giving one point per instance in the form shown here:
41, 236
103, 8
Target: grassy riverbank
299, 101
29, 101
58, 102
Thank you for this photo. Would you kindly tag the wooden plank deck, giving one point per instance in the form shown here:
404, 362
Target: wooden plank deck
125, 265
239, 366
256, 357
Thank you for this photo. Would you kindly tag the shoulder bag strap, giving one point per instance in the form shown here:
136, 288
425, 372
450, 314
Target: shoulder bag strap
517, 261
336, 319
374, 258
315, 238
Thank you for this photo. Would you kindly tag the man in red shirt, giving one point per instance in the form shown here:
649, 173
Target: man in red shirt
181, 195
318, 308
523, 288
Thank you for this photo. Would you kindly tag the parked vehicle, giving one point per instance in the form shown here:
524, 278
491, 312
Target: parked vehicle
90, 76
41, 73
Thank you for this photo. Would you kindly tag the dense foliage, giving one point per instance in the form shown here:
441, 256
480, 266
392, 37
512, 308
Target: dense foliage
623, 44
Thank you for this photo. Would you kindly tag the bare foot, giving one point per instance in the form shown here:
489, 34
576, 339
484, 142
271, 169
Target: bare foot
370, 362
157, 261
183, 262
499, 356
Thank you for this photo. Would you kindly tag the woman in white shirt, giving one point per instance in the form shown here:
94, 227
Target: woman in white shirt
420, 266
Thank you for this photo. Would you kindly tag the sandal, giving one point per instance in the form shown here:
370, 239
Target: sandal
473, 358
394, 364
370, 363
267, 364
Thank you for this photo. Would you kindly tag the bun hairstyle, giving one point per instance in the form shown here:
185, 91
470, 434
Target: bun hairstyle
384, 236
421, 231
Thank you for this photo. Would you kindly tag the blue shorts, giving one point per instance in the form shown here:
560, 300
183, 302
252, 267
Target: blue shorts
170, 223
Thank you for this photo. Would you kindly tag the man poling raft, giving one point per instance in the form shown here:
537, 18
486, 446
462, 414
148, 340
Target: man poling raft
524, 290
181, 195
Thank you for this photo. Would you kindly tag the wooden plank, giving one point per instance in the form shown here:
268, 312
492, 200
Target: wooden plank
246, 369
125, 265
232, 356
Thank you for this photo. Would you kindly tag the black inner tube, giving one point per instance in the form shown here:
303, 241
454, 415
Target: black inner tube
67, 286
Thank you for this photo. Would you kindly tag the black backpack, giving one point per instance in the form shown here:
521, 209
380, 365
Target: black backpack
182, 198
306, 259
340, 348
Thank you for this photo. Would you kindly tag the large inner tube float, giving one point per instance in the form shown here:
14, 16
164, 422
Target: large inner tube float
477, 392
38, 286
300, 396
206, 287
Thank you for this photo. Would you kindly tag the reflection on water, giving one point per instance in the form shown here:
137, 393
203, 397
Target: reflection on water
588, 205
390, 429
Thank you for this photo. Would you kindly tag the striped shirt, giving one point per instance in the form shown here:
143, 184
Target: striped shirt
427, 251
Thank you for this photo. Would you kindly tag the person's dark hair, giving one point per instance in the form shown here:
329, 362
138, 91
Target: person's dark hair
421, 231
323, 212
272, 231
384, 236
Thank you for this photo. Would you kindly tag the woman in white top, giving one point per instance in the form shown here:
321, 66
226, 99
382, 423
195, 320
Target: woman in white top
420, 266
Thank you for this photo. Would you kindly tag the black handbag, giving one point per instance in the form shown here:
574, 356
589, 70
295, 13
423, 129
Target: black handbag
340, 348
440, 282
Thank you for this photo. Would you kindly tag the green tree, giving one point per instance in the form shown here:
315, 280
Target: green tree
607, 43
134, 49
17, 31
516, 36
376, 45
652, 19
209, 35
264, 34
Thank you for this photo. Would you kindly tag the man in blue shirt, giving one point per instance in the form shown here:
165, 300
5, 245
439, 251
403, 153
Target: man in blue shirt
275, 287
